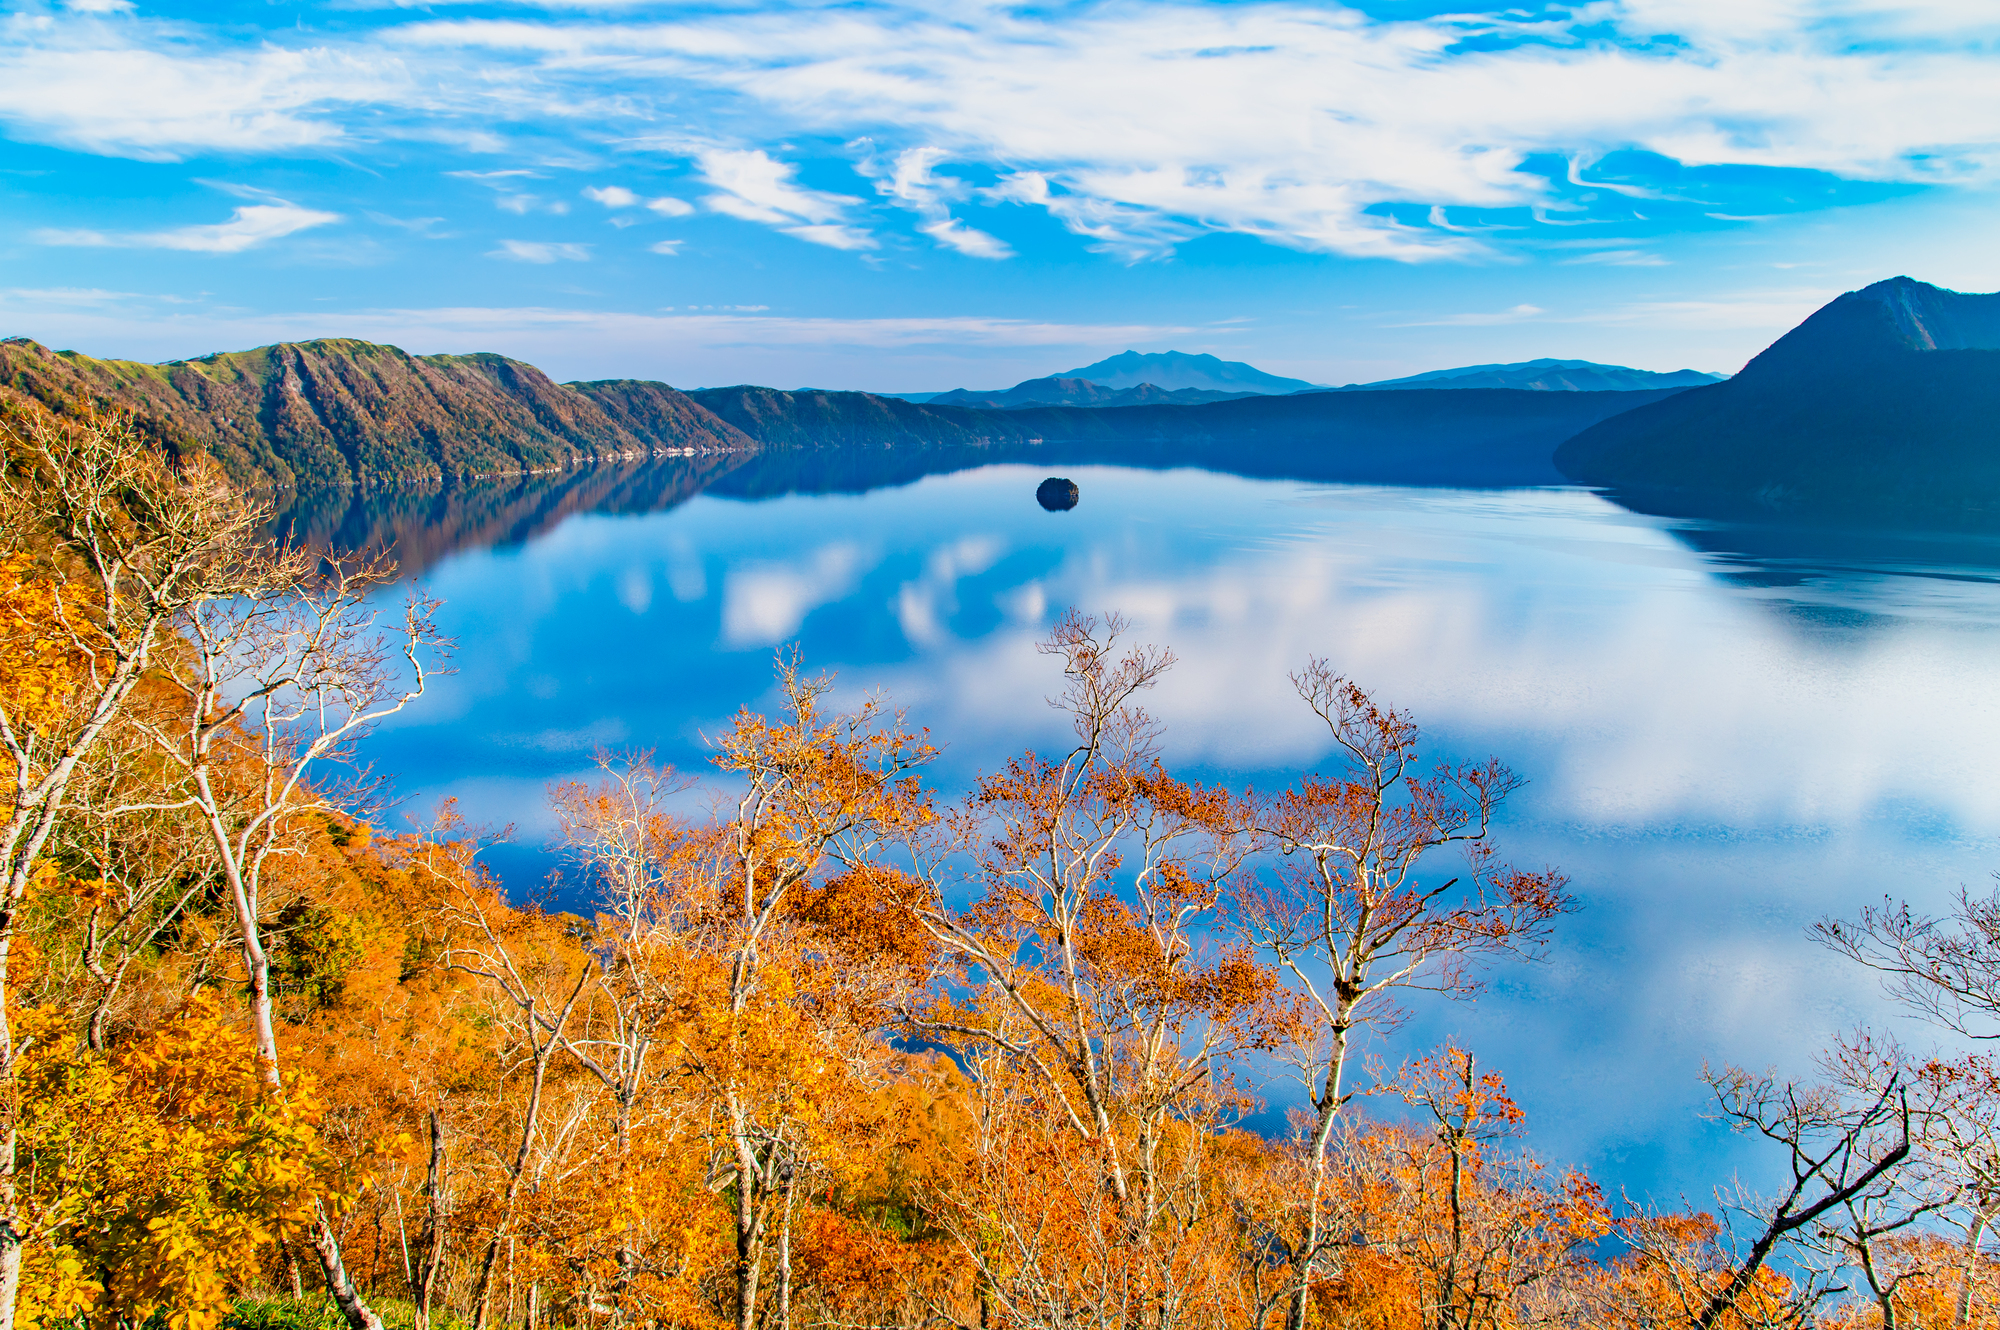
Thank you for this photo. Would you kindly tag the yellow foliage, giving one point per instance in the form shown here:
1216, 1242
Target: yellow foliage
41, 664
158, 1174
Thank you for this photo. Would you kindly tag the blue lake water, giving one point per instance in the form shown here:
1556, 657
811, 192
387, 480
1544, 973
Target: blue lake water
1727, 735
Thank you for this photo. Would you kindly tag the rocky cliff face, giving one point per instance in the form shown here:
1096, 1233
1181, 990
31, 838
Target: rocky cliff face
1885, 401
343, 412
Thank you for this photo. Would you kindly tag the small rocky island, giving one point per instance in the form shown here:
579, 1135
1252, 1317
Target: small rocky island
1057, 494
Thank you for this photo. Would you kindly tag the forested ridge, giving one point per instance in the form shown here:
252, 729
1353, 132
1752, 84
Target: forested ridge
338, 412
834, 1049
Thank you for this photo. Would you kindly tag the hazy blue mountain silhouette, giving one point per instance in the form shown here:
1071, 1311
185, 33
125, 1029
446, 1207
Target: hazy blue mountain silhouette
1885, 401
1544, 375
1058, 391
1178, 369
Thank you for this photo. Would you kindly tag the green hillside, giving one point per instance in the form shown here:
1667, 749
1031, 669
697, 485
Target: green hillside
338, 411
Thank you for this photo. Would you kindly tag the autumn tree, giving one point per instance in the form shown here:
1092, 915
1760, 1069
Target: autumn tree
162, 1173
133, 883
269, 689
1091, 998
107, 547
1842, 1144
1507, 1237
1362, 909
820, 791
524, 957
1945, 969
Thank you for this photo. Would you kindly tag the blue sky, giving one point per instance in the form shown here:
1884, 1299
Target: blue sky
931, 195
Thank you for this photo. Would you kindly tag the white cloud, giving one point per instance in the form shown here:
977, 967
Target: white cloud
612, 196
248, 226
1295, 122
69, 295
468, 324
955, 234
669, 247
1135, 123
540, 251
911, 182
135, 89
763, 605
756, 187
420, 226
1764, 311
833, 237
1620, 258
1480, 319
670, 207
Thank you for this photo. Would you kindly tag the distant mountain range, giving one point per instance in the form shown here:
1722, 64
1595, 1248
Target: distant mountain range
341, 412
1059, 391
1886, 401
1178, 379
1582, 376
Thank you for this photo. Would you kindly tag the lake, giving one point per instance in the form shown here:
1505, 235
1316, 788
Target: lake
1728, 732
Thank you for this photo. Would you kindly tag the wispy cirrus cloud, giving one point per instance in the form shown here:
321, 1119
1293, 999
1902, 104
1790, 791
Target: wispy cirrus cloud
161, 91
1136, 124
912, 182
247, 227
1479, 318
541, 251
753, 185
1618, 258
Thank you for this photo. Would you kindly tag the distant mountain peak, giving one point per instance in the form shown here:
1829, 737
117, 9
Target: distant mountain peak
1175, 370
1900, 314
1932, 318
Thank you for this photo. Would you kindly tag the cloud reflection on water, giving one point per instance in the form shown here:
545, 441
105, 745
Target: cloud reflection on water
1715, 763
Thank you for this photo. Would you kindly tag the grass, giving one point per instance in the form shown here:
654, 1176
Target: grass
316, 1311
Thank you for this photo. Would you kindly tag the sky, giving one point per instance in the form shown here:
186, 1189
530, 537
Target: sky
920, 196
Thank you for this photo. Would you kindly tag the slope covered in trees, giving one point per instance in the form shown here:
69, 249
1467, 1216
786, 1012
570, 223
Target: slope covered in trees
339, 412
839, 1049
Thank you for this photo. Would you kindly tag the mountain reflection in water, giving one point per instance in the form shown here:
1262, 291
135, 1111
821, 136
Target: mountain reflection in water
1728, 731
425, 525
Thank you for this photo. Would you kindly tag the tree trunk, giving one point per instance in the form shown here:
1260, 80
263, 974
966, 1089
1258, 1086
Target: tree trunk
10, 1250
352, 1309
1962, 1314
1308, 1255
782, 1312
257, 966
26, 833
748, 1237
1884, 1297
482, 1293
430, 1258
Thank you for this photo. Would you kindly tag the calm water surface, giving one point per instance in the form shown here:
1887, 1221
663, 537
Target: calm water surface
1726, 737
